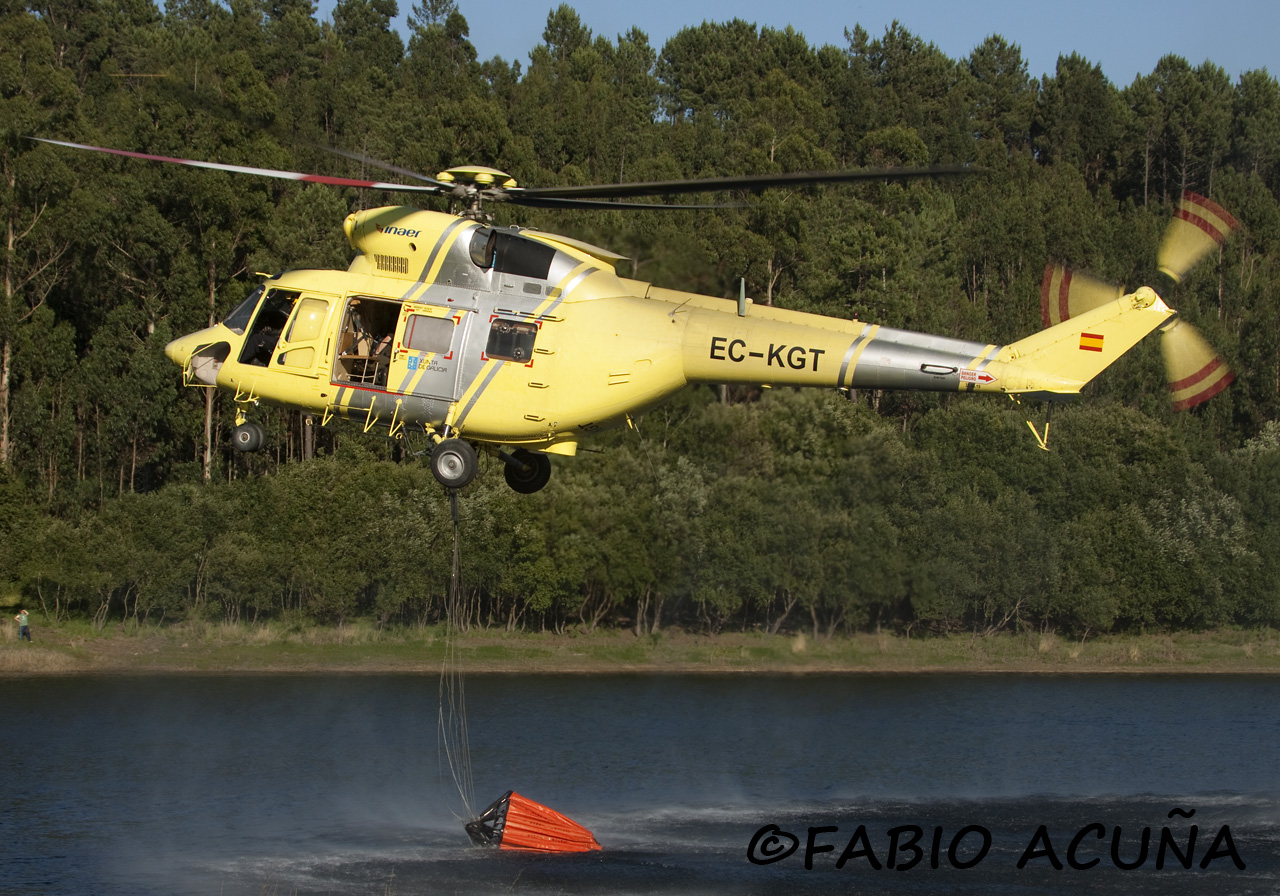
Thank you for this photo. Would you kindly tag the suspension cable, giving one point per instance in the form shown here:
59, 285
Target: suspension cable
455, 748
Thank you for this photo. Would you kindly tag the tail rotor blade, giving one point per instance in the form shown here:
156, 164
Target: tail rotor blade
1196, 373
1065, 294
1198, 227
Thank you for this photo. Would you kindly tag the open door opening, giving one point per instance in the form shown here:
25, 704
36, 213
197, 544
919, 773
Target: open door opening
364, 343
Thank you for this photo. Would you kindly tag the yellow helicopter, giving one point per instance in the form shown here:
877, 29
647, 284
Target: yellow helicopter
524, 342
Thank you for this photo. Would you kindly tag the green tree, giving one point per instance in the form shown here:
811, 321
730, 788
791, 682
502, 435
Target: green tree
1003, 94
365, 29
1079, 119
37, 96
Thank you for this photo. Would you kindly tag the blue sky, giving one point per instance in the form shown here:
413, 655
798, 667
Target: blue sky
1125, 38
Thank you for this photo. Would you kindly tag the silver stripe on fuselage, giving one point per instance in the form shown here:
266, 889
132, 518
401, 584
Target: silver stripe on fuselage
568, 288
488, 379
457, 423
445, 240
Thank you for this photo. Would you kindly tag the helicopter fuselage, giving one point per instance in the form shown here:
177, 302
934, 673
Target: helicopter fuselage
505, 337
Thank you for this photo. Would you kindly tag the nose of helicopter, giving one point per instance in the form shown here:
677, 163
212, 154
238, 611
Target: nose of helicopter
179, 350
200, 355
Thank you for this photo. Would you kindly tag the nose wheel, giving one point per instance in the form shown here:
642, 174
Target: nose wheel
454, 463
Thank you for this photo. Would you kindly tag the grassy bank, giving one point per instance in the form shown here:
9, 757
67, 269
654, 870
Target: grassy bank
75, 648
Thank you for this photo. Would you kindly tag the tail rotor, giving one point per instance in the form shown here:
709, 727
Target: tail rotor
1195, 371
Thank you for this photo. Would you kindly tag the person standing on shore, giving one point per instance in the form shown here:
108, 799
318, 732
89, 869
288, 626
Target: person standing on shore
24, 628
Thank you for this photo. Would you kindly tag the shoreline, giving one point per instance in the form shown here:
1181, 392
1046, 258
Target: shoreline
75, 650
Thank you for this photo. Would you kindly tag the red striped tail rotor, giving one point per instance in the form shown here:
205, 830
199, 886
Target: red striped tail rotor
1195, 371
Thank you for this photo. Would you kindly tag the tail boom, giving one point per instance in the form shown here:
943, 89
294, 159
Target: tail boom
776, 347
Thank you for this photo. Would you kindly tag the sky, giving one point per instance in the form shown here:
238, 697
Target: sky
1126, 38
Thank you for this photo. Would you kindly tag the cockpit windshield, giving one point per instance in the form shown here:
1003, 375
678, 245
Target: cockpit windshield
238, 319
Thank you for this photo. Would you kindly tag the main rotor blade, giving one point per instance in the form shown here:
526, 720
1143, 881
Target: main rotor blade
515, 198
261, 172
752, 182
385, 166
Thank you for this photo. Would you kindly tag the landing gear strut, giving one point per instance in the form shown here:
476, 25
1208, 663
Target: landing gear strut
453, 463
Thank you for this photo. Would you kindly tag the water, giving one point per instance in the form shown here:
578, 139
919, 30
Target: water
333, 784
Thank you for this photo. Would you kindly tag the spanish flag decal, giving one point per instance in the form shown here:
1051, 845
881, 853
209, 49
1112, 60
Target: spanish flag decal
1090, 342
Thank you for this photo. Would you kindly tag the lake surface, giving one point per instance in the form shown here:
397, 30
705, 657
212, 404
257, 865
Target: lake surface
335, 784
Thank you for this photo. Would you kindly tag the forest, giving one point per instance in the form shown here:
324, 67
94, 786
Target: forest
776, 510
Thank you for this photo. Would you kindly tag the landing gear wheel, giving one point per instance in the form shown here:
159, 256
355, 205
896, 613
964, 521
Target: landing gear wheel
529, 472
248, 437
453, 463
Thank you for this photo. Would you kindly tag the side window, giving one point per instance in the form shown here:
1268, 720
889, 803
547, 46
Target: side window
511, 340
262, 337
428, 334
308, 323
307, 326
